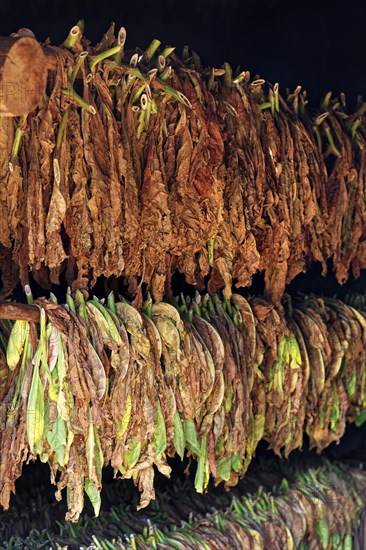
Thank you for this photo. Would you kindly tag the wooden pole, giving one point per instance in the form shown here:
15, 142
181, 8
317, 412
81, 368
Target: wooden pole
23, 75
21, 312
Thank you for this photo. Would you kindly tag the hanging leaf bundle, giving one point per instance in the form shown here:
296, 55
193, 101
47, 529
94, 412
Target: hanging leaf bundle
101, 382
139, 164
279, 505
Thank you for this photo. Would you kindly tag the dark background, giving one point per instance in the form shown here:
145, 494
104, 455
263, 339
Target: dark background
321, 45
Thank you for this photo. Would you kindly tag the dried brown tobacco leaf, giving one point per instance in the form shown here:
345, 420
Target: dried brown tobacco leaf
9, 190
216, 348
196, 190
158, 377
78, 223
155, 228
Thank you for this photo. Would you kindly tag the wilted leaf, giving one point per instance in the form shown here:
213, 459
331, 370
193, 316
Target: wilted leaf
16, 342
94, 495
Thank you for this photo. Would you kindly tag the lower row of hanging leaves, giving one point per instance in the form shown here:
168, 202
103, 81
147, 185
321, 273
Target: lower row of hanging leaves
106, 383
302, 505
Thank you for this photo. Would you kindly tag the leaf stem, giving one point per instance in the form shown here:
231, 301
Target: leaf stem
332, 145
72, 94
228, 76
72, 37
28, 294
150, 50
61, 129
108, 53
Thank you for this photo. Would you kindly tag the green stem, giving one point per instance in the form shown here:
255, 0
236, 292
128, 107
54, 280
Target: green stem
326, 100
183, 300
150, 50
320, 119
154, 107
332, 146
138, 94
148, 115
196, 61
111, 302
177, 95
72, 37
70, 92
229, 308
276, 97
108, 53
211, 81
81, 25
185, 53
52, 298
61, 129
141, 124
196, 309
228, 80
318, 137
239, 78
166, 74
355, 127
147, 306
258, 82
70, 301
161, 64
134, 59
121, 40
211, 307
265, 105
236, 319
272, 102
167, 51
28, 294
79, 60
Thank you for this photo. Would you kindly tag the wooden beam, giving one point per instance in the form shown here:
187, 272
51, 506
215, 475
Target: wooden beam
21, 312
23, 75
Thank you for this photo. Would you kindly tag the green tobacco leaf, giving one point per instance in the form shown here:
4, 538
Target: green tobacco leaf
360, 418
202, 474
16, 342
228, 399
224, 468
159, 440
191, 437
294, 351
57, 439
179, 439
35, 409
235, 462
133, 453
93, 494
113, 330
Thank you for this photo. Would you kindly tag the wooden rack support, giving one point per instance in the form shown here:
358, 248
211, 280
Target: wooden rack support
21, 312
23, 75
